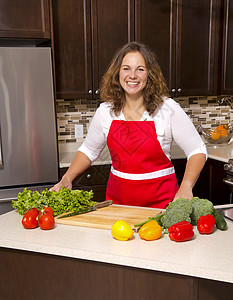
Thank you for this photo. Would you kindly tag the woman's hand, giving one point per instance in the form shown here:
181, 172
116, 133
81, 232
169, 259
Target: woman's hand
184, 192
65, 182
79, 164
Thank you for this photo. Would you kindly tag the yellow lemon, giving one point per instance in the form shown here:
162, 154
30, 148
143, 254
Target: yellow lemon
121, 230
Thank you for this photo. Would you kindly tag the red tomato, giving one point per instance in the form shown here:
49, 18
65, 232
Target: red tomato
46, 221
29, 220
33, 210
48, 209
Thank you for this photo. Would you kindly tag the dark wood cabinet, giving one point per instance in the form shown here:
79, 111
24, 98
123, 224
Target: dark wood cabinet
219, 191
210, 184
25, 19
72, 47
86, 36
227, 60
94, 178
74, 278
155, 25
185, 36
112, 27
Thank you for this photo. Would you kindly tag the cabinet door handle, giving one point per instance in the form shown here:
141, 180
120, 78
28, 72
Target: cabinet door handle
89, 176
173, 90
228, 182
97, 92
90, 92
179, 90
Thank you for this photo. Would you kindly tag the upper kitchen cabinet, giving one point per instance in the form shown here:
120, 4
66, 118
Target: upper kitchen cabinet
25, 19
155, 23
227, 62
87, 33
184, 34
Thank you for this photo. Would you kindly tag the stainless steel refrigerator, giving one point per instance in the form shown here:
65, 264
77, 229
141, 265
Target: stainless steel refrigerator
28, 143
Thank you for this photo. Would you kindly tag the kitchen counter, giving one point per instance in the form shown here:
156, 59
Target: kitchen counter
67, 154
206, 256
71, 262
221, 153
218, 152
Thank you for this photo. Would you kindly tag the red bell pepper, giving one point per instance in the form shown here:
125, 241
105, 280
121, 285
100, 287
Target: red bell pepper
181, 231
205, 224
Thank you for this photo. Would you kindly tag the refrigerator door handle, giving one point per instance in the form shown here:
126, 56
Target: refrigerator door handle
1, 161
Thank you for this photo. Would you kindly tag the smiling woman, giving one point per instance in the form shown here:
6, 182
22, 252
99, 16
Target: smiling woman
138, 122
137, 58
133, 77
133, 73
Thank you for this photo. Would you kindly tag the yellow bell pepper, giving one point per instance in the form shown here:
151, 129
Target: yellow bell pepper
121, 230
150, 231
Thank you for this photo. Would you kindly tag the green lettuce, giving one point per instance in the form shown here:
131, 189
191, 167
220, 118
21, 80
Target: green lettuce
63, 201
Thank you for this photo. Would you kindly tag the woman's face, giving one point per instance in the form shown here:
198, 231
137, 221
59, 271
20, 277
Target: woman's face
133, 74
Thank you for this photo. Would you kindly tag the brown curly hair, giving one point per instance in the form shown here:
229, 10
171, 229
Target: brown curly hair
155, 89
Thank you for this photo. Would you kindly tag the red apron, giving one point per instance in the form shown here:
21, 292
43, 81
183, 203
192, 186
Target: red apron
141, 174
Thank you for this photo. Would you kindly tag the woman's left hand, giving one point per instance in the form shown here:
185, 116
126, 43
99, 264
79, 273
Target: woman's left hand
184, 192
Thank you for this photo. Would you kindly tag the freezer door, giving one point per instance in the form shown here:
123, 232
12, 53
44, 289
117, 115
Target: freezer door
28, 151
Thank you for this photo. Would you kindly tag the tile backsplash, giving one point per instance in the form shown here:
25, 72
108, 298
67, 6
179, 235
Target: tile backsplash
207, 111
71, 112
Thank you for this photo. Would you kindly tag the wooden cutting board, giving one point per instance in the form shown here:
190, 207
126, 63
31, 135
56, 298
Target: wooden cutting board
104, 218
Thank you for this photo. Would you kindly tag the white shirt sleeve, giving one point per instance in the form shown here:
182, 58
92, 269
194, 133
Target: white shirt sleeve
95, 140
184, 132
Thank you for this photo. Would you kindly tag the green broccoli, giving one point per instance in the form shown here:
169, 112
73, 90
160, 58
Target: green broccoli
201, 207
182, 210
177, 211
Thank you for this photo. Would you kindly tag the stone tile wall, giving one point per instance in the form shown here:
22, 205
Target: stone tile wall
207, 111
71, 112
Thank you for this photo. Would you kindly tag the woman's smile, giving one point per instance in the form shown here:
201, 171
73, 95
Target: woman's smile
132, 84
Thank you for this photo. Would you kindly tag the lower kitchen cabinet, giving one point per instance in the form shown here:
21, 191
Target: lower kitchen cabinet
210, 184
95, 178
72, 278
219, 191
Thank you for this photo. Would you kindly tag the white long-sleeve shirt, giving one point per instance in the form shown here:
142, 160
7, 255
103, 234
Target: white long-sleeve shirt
171, 123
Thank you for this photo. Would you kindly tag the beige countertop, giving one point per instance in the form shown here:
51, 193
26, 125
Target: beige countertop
205, 256
222, 152
67, 154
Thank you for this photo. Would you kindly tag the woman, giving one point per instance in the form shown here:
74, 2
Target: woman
139, 122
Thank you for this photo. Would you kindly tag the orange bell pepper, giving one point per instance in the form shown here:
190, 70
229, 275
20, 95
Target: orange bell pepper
150, 231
